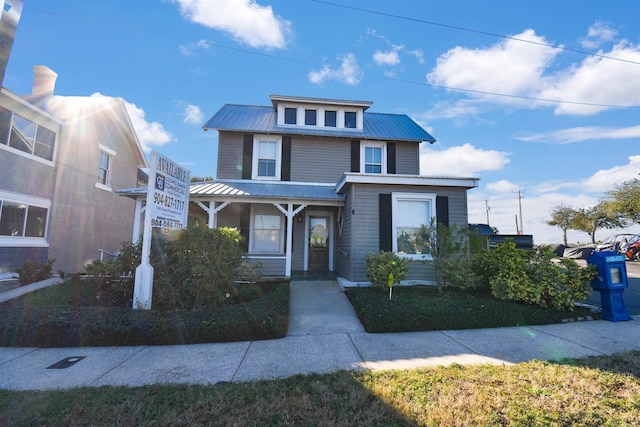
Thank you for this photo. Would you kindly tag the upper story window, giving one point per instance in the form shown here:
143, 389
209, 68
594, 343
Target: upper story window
350, 119
105, 166
330, 118
290, 116
26, 136
310, 117
373, 157
267, 151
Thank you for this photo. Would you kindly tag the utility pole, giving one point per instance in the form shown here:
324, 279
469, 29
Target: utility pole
486, 206
520, 197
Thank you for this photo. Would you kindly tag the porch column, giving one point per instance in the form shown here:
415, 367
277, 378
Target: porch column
135, 235
287, 266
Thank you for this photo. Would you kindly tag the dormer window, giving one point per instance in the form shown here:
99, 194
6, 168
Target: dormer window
350, 119
310, 117
330, 118
290, 116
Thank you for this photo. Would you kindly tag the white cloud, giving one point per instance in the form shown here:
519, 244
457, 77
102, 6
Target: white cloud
600, 32
518, 69
510, 67
584, 83
538, 201
389, 58
149, 133
245, 20
419, 55
502, 186
349, 71
193, 114
192, 48
462, 161
582, 133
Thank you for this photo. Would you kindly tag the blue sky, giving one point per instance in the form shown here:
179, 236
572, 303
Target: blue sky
483, 78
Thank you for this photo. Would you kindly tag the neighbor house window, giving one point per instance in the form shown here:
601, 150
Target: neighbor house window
310, 117
330, 118
350, 119
22, 219
411, 211
266, 157
266, 235
290, 116
105, 167
373, 157
26, 136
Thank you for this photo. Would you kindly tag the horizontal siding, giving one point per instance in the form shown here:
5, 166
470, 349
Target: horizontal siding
270, 266
366, 221
407, 158
230, 155
343, 259
319, 159
423, 271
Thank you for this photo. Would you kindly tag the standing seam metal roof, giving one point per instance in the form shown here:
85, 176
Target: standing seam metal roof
378, 126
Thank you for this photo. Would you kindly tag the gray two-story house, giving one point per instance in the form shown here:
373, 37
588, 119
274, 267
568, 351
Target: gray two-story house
316, 184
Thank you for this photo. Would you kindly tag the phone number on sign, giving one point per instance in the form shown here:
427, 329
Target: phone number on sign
168, 201
163, 223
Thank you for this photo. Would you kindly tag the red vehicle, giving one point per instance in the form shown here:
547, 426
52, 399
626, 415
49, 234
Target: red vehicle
631, 249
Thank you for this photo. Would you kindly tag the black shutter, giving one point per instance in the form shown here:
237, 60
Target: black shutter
391, 158
247, 156
384, 207
355, 155
285, 174
245, 224
442, 210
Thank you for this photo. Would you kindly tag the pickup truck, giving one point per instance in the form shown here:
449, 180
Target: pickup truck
522, 241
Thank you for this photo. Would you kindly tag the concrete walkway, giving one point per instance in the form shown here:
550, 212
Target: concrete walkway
324, 336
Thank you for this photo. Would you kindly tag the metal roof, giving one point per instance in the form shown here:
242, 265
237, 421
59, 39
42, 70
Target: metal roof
377, 126
253, 189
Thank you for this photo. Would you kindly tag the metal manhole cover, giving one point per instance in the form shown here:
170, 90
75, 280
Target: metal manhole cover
66, 362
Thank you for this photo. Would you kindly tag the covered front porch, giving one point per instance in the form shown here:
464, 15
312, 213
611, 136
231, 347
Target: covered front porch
285, 226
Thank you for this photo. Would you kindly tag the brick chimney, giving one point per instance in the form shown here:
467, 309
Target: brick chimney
44, 82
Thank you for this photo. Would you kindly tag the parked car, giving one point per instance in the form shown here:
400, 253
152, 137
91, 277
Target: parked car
613, 243
631, 249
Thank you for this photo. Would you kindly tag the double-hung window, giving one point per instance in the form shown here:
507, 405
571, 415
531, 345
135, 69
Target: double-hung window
266, 157
410, 211
105, 167
267, 232
26, 136
373, 157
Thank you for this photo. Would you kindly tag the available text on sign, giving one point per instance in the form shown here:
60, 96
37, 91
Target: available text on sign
168, 198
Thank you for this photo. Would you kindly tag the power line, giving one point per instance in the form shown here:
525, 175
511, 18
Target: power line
310, 64
470, 30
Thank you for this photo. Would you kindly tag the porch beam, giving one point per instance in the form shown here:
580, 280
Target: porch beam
289, 212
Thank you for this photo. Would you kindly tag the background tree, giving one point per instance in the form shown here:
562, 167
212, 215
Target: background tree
602, 215
625, 199
562, 216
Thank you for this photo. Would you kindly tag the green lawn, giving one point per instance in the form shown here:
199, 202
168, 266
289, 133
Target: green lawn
585, 392
421, 308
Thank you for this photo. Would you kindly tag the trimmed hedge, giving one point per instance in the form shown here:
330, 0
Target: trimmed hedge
31, 322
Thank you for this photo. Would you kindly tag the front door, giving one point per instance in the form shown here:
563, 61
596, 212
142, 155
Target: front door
318, 243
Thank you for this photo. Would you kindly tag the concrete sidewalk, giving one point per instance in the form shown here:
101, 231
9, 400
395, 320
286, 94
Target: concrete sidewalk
324, 336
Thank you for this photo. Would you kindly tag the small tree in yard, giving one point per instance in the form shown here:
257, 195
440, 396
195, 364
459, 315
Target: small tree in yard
379, 265
450, 248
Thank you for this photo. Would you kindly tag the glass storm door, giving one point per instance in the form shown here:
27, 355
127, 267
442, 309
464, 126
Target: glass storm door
318, 243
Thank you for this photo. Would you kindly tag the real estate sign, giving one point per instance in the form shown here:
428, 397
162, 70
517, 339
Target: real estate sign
167, 207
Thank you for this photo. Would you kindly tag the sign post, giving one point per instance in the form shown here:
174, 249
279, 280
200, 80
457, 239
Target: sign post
167, 207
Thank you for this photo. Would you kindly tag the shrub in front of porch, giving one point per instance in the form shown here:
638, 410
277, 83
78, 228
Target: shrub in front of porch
379, 265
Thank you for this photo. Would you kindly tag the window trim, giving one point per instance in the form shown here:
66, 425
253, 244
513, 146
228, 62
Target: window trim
395, 197
22, 241
373, 144
5, 144
112, 154
256, 152
315, 118
261, 210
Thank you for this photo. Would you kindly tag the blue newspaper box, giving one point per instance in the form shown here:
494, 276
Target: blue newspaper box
611, 282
